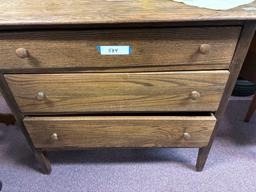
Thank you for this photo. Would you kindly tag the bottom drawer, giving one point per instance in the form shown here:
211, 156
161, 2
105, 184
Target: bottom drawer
119, 131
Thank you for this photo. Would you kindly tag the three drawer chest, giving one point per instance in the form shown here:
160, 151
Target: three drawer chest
127, 74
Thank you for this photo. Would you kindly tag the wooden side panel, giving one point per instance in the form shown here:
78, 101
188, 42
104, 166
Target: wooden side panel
152, 49
119, 131
235, 67
118, 92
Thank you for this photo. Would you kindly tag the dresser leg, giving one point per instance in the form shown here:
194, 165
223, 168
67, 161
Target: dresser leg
202, 157
45, 165
242, 48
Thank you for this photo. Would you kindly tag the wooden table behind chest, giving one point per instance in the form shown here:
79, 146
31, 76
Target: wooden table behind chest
167, 91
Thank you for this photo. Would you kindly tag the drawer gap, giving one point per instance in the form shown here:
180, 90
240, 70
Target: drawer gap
192, 114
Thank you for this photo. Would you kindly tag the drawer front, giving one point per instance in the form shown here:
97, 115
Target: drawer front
151, 49
118, 92
120, 131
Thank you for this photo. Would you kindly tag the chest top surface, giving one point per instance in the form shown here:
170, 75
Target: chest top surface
55, 12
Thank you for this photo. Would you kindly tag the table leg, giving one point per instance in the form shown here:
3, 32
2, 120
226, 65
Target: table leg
251, 110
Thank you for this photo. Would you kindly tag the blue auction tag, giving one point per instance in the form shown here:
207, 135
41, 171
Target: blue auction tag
114, 50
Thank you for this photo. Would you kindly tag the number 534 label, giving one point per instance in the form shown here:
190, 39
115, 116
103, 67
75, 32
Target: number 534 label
114, 50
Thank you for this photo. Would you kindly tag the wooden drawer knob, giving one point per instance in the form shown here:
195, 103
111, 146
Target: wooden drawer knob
54, 137
195, 95
22, 52
40, 96
186, 136
204, 48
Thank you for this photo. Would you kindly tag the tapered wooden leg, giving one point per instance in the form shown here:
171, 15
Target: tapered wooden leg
202, 157
45, 165
251, 110
242, 48
204, 151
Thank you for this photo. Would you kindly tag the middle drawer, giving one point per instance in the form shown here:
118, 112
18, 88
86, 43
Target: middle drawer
118, 92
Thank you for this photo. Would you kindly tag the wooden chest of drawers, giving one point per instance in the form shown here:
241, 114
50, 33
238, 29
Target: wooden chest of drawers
167, 88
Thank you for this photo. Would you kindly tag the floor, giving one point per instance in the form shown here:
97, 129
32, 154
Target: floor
231, 165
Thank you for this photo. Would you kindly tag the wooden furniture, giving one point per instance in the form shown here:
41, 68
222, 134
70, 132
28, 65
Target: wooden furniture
139, 74
251, 110
248, 72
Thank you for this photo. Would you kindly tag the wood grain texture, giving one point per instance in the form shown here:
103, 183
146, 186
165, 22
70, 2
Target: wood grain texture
235, 67
43, 162
18, 15
168, 48
119, 131
118, 92
54, 12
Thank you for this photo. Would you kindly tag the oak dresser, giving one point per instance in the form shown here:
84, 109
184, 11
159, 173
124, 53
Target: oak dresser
127, 73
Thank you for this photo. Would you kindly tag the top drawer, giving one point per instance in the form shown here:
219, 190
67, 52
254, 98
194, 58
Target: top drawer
152, 49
